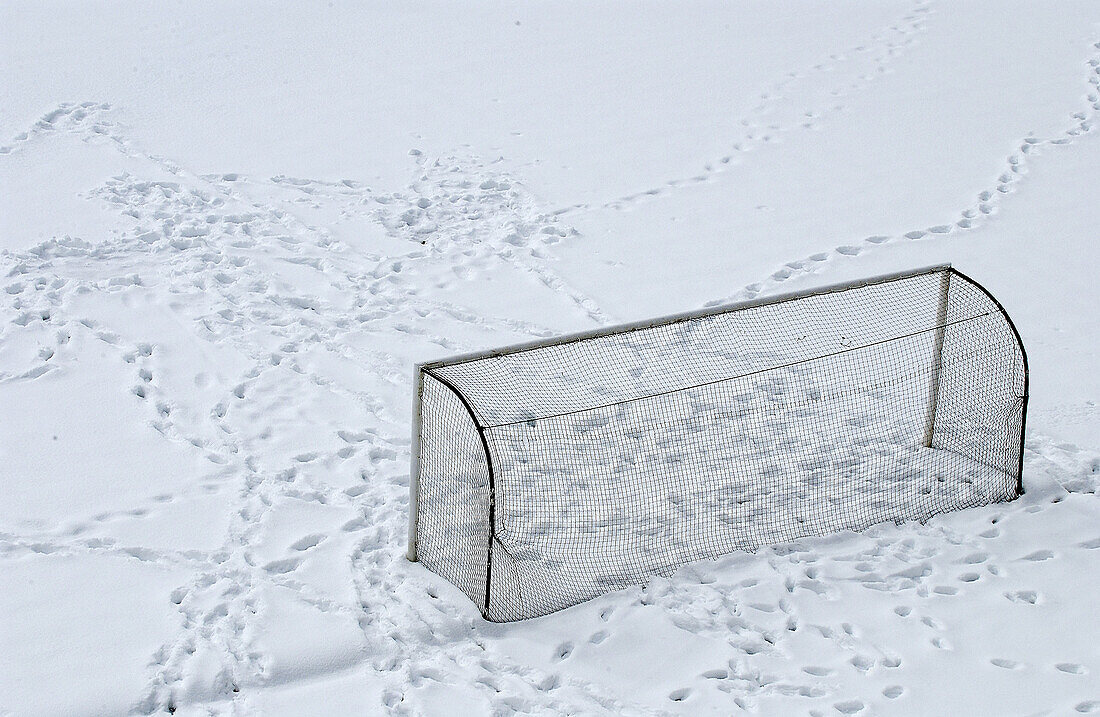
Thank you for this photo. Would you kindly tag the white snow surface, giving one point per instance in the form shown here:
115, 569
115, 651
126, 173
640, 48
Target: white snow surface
228, 231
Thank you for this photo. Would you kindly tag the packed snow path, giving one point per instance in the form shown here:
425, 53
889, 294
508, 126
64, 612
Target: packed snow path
205, 363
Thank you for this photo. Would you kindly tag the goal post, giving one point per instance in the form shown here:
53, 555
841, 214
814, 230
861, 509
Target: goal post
937, 356
414, 462
544, 474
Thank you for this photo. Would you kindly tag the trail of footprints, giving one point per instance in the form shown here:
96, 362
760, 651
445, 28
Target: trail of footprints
474, 213
822, 88
984, 207
703, 604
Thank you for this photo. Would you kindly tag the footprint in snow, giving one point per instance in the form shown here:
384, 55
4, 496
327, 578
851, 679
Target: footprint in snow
307, 542
280, 567
679, 695
848, 707
862, 663
1025, 596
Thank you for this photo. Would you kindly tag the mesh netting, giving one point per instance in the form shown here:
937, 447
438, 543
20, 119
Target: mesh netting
555, 473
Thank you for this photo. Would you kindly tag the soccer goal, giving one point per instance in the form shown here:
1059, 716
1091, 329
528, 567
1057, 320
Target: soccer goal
551, 472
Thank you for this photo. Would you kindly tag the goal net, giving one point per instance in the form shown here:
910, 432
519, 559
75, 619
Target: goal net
549, 473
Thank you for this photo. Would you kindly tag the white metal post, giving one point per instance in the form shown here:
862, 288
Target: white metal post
937, 357
414, 463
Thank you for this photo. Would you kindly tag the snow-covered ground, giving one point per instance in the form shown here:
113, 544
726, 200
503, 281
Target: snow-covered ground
229, 231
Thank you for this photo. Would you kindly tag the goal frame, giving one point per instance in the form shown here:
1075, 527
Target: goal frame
420, 370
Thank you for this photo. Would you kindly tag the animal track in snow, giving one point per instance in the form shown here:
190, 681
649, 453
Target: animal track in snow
679, 695
307, 542
849, 707
985, 206
1024, 596
466, 205
775, 114
79, 118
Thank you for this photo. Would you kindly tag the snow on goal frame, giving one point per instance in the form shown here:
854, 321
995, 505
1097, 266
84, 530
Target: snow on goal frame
549, 473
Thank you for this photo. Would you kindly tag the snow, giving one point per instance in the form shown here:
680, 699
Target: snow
227, 233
